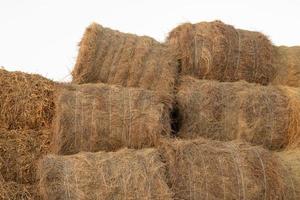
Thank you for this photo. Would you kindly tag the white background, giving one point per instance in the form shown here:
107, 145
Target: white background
41, 36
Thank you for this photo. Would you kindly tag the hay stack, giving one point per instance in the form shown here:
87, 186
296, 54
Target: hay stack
214, 50
206, 169
26, 100
291, 159
288, 66
95, 117
109, 56
126, 174
19, 152
261, 115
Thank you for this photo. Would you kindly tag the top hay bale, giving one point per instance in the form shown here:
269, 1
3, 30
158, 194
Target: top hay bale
261, 115
288, 66
112, 57
26, 100
207, 169
93, 117
214, 50
123, 175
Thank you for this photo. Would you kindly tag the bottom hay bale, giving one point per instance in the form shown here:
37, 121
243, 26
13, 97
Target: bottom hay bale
291, 159
207, 169
260, 115
19, 152
125, 174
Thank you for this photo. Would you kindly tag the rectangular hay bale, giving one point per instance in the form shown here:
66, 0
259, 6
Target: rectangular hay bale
261, 115
109, 56
93, 117
206, 169
123, 175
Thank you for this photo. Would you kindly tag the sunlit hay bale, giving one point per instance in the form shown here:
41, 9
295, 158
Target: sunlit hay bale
93, 117
214, 50
288, 66
19, 152
26, 100
125, 175
207, 169
261, 115
109, 56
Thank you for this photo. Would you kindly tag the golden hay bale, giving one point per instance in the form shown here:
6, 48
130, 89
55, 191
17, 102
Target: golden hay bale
109, 56
126, 174
288, 66
261, 115
291, 159
19, 152
93, 117
15, 191
207, 169
26, 100
214, 50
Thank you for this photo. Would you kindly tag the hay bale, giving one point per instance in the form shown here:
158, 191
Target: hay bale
19, 152
109, 56
261, 115
291, 159
126, 174
214, 50
207, 169
93, 117
26, 100
288, 66
15, 191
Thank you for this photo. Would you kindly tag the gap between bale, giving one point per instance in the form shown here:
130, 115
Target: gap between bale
109, 56
261, 115
214, 50
207, 169
95, 117
125, 174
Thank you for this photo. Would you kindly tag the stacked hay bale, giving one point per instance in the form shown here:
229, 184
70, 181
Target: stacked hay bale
291, 159
19, 152
26, 112
288, 66
27, 100
126, 174
112, 57
15, 191
94, 117
214, 50
206, 169
261, 115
